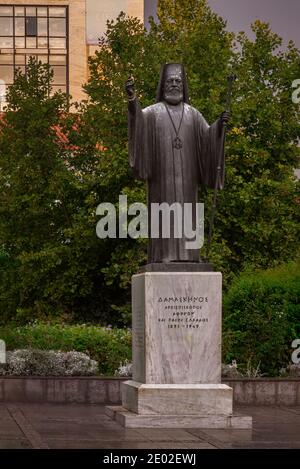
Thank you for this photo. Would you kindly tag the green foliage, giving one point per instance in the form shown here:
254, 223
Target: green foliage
262, 318
259, 209
54, 263
109, 347
128, 50
258, 216
47, 229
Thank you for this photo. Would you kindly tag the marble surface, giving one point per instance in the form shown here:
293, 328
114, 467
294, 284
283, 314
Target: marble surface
177, 327
177, 399
138, 329
132, 420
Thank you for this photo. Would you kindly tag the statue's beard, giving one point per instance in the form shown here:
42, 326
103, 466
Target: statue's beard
173, 96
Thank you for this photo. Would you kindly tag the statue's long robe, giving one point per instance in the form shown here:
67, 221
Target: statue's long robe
173, 175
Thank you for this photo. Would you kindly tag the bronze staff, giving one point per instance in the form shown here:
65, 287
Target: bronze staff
231, 79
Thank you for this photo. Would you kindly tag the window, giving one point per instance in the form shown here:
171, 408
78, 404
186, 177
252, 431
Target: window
31, 26
24, 30
42, 11
6, 26
30, 11
31, 43
20, 26
19, 11
6, 11
57, 43
57, 27
57, 11
42, 26
6, 42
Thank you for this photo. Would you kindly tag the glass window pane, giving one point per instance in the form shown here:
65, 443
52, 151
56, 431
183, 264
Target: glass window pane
43, 59
42, 27
30, 11
20, 59
6, 26
57, 43
42, 42
57, 59
6, 42
20, 42
42, 11
6, 11
57, 27
6, 59
19, 11
7, 73
31, 42
31, 26
20, 26
59, 75
57, 11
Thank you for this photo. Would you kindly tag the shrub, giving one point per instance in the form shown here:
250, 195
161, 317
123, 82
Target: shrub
262, 318
48, 363
109, 347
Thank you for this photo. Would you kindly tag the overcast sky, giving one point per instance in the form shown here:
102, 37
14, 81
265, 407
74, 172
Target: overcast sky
283, 15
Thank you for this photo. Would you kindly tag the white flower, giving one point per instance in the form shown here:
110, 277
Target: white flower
48, 363
125, 369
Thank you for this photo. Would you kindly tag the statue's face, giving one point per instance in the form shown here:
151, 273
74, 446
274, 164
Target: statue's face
173, 89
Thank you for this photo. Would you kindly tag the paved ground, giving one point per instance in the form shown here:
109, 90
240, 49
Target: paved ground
86, 426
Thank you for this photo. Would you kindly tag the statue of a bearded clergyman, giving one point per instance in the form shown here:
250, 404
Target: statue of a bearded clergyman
172, 147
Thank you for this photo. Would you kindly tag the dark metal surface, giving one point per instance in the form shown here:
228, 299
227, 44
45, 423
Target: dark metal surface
173, 172
177, 267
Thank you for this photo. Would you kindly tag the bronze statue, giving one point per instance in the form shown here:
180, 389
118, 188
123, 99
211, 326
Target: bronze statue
172, 147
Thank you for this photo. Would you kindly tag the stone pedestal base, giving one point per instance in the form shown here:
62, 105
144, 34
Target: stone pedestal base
132, 420
177, 405
177, 399
176, 325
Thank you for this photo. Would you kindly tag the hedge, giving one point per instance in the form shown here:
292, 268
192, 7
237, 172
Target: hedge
262, 317
109, 347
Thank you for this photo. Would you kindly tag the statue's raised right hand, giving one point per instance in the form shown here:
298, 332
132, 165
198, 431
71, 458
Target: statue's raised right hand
129, 87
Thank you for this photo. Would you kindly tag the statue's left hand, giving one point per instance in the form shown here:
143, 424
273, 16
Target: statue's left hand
225, 117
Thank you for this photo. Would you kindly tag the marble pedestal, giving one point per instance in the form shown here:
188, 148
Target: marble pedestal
177, 355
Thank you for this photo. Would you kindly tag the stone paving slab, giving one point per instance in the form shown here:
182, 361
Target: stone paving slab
26, 425
13, 443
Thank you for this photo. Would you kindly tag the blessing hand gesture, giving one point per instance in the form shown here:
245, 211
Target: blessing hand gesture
129, 88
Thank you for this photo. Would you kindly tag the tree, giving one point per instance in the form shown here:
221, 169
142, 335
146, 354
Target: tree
51, 267
259, 210
51, 186
257, 220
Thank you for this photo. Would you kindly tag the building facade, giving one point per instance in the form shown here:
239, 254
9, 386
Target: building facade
62, 33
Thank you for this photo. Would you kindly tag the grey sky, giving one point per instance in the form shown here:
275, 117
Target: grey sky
283, 15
